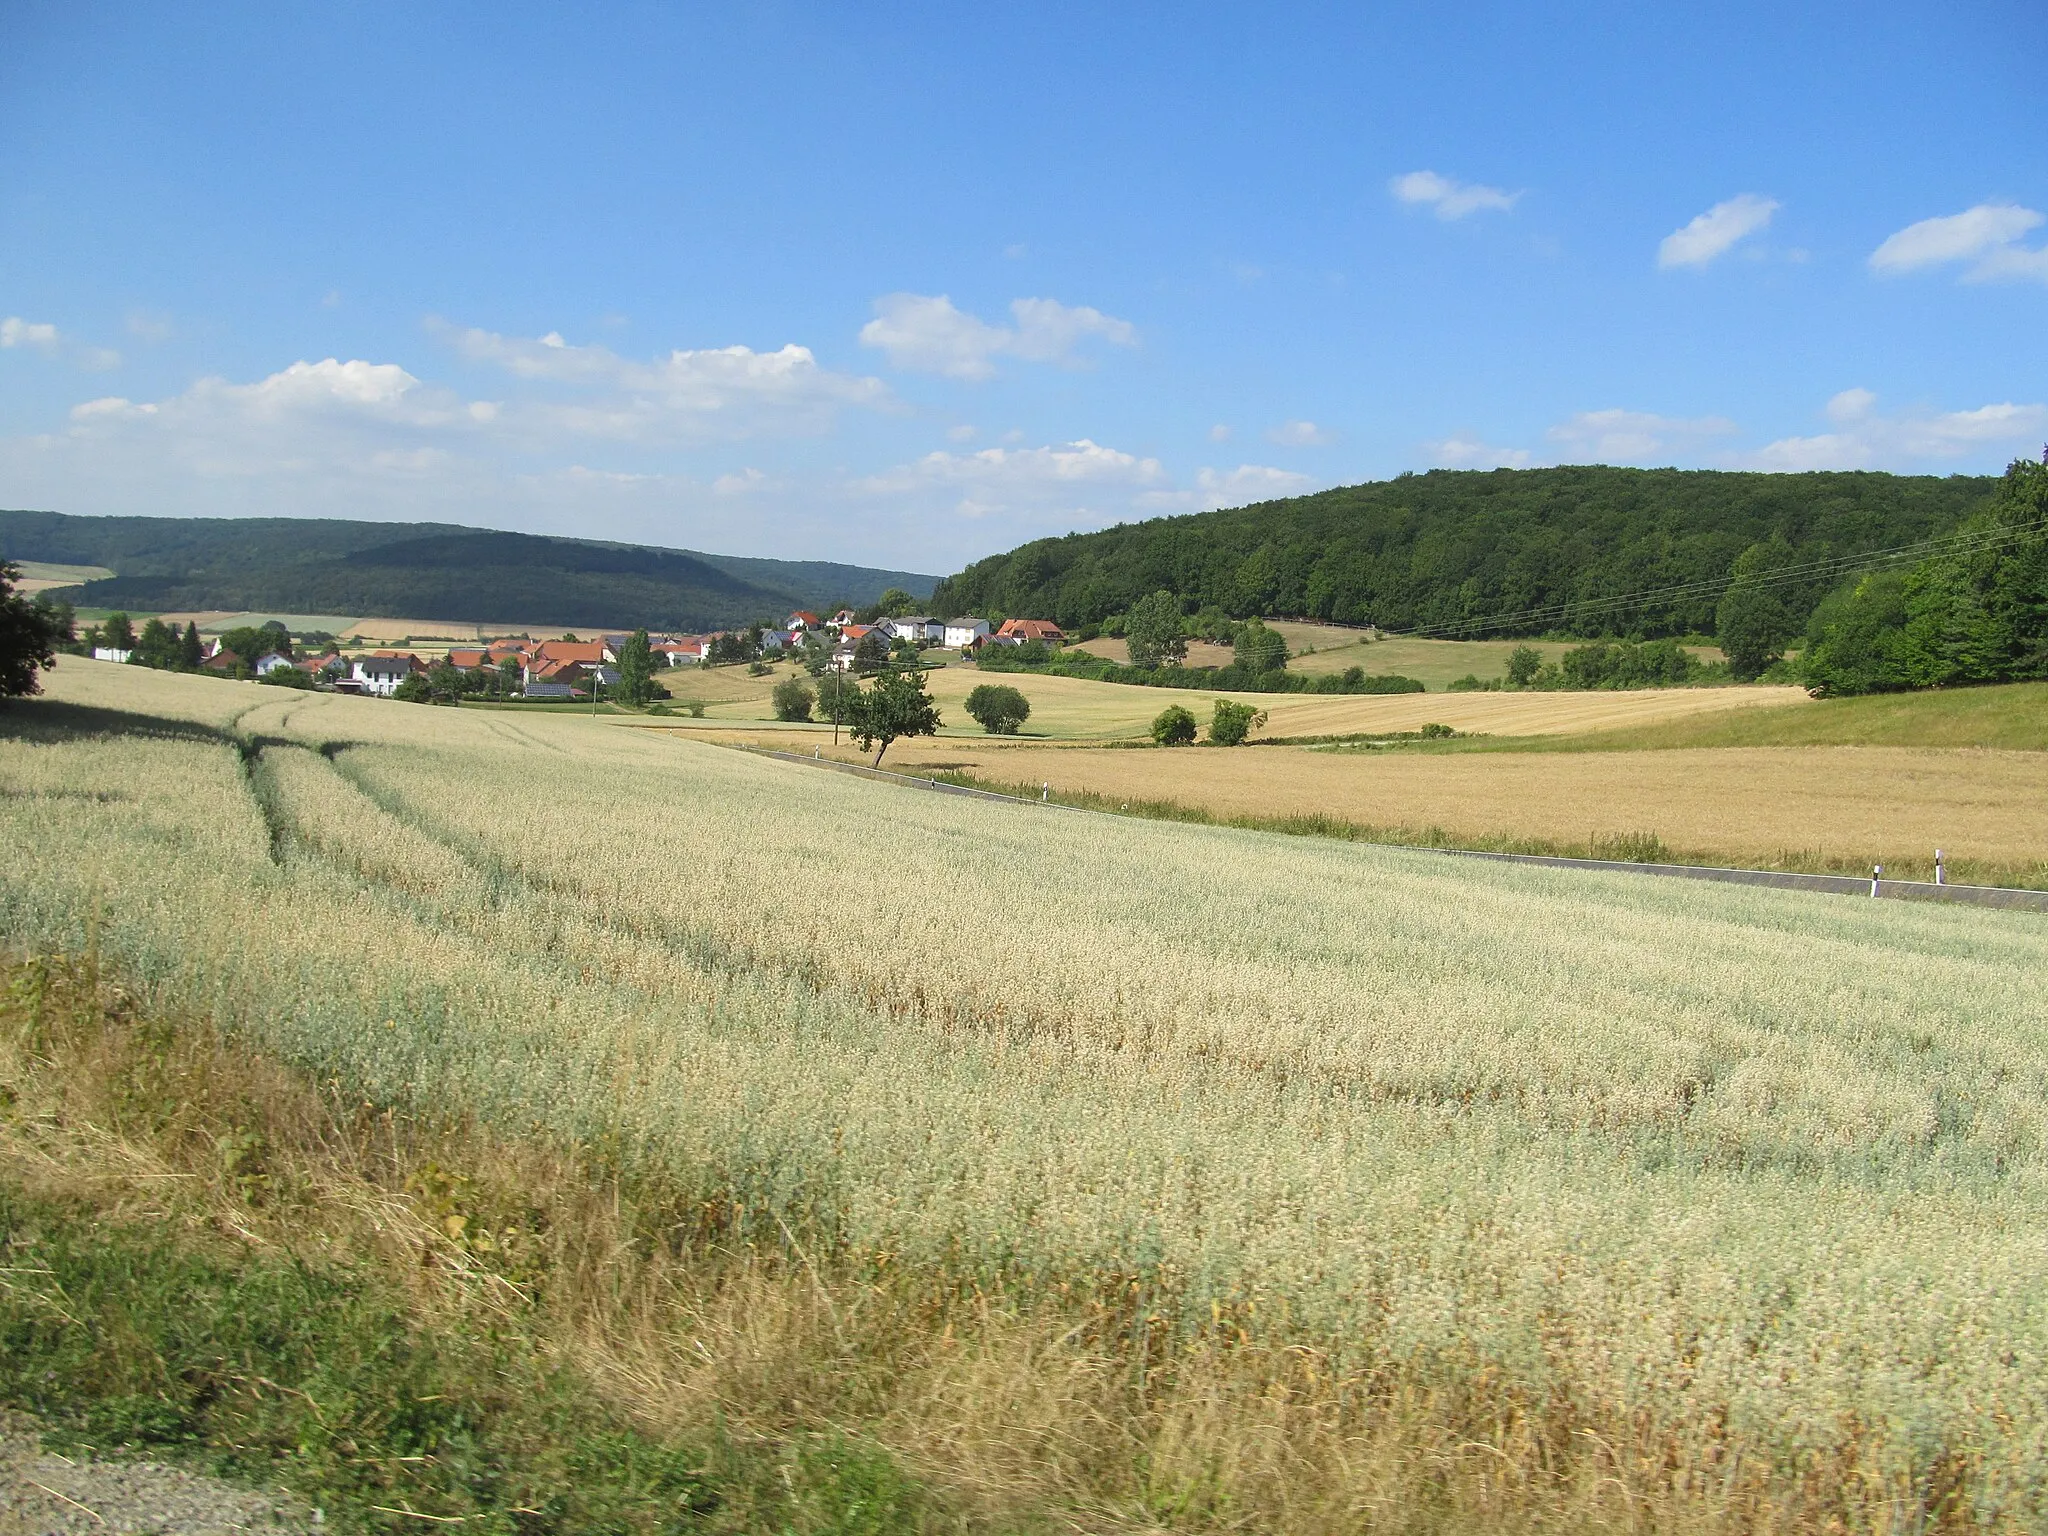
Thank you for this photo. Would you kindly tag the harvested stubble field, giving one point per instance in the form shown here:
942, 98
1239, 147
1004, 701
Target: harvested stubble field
1203, 1179
1817, 808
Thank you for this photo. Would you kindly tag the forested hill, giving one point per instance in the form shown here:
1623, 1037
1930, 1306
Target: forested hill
1450, 546
425, 570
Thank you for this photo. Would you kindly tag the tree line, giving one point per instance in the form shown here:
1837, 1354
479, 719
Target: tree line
1476, 548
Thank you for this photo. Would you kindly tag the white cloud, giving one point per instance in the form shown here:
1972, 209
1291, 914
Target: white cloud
1470, 453
687, 395
150, 325
1851, 405
1633, 437
1915, 438
1714, 231
1220, 433
17, 332
1246, 484
1450, 199
746, 480
1298, 434
41, 336
928, 334
1081, 463
1986, 236
961, 434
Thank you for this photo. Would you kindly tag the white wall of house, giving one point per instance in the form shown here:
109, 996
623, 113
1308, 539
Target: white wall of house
961, 633
382, 680
107, 653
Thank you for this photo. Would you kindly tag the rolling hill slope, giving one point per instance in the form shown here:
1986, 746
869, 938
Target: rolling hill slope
299, 565
1452, 546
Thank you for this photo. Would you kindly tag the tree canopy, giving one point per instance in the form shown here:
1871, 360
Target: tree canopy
1451, 547
896, 705
30, 633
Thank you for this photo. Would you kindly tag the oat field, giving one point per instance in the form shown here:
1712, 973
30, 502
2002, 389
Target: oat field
1750, 1187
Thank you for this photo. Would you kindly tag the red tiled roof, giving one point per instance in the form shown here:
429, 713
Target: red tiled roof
1031, 629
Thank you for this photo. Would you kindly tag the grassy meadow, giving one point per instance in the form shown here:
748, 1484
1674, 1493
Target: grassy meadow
1118, 1174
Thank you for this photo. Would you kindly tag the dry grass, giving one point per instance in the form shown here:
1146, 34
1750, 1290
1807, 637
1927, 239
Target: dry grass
1017, 1417
42, 575
1796, 807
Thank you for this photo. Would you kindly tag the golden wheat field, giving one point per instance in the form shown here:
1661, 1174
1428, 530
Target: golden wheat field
1719, 1192
1854, 805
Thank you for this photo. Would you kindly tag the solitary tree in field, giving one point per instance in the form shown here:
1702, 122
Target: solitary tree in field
1154, 631
896, 705
117, 633
1233, 722
998, 708
1174, 727
793, 699
1524, 662
636, 672
30, 633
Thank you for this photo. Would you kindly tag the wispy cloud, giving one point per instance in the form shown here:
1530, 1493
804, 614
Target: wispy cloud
1299, 434
1635, 437
43, 337
1867, 438
1450, 199
1470, 453
1713, 232
927, 333
687, 394
1986, 238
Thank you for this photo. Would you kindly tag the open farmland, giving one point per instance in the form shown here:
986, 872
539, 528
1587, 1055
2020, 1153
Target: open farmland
1077, 709
1818, 808
1727, 1202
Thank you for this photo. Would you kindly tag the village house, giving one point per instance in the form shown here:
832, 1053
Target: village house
964, 634
803, 622
110, 653
841, 619
1020, 631
777, 639
381, 673
271, 661
917, 629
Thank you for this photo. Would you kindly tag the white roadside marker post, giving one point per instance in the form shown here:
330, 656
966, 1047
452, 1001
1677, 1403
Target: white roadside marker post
1045, 792
1938, 879
1876, 874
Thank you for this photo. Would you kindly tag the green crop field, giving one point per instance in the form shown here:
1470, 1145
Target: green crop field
1721, 1206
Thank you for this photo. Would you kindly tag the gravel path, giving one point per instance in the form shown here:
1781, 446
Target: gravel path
42, 1494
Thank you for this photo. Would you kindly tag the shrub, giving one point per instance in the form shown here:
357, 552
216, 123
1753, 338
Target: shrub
999, 708
1173, 727
1436, 732
1233, 722
793, 699
1524, 662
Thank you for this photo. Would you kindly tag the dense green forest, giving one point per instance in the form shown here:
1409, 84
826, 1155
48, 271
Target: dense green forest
1465, 551
424, 570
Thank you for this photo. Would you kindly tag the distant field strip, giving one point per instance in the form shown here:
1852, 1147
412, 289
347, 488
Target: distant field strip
1077, 709
1736, 805
1755, 1182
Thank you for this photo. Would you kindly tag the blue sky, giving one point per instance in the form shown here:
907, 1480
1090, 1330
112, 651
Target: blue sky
908, 285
